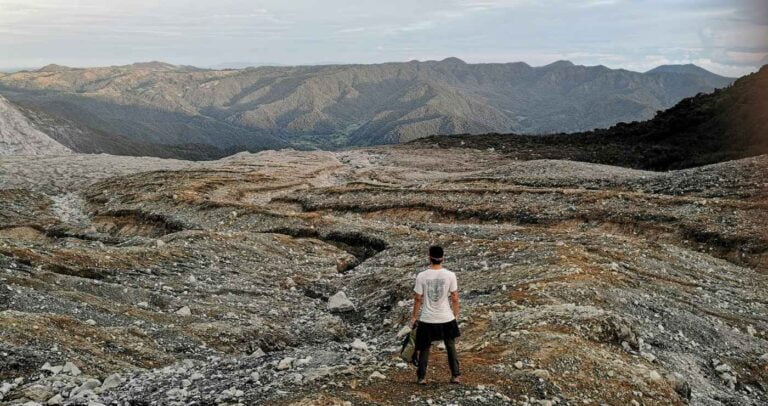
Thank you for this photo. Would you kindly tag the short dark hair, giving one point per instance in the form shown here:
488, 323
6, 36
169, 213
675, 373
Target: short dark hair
436, 254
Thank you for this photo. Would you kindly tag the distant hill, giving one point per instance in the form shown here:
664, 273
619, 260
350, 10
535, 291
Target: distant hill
333, 106
727, 124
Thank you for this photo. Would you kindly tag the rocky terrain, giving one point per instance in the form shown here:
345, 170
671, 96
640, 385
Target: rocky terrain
285, 278
125, 109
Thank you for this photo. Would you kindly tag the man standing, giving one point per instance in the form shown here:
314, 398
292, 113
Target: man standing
436, 307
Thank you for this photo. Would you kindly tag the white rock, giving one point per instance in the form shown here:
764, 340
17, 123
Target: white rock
377, 375
87, 386
38, 393
404, 331
340, 303
648, 356
303, 361
722, 368
55, 400
90, 322
112, 381
285, 363
519, 364
359, 345
184, 311
72, 369
258, 353
196, 376
654, 376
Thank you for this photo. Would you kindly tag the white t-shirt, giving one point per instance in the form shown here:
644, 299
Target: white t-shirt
436, 286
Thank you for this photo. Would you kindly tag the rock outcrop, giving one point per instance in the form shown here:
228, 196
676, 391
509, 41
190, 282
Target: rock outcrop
18, 136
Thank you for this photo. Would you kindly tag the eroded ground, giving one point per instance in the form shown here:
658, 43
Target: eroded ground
174, 282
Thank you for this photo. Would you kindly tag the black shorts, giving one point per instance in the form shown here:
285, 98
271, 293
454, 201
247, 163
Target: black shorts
428, 332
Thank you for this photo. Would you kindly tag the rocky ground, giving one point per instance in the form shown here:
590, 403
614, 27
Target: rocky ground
135, 281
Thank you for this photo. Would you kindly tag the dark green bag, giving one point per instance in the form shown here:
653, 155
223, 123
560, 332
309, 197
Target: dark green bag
409, 347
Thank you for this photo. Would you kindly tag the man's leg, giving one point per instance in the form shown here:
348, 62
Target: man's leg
453, 359
421, 372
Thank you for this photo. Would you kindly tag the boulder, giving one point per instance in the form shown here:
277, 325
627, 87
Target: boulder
340, 303
359, 345
55, 400
38, 393
112, 381
377, 375
184, 311
72, 369
285, 363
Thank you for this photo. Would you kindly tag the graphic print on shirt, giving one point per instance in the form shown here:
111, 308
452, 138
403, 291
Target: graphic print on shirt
435, 289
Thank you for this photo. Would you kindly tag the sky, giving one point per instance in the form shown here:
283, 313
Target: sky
729, 37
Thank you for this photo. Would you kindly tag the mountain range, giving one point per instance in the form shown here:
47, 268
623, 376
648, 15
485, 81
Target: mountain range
724, 125
160, 109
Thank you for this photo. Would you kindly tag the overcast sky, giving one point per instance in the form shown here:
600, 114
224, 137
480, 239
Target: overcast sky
726, 36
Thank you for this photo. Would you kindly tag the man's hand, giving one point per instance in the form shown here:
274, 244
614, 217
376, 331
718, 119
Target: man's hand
416, 309
455, 304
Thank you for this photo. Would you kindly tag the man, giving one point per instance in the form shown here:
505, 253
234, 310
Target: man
436, 307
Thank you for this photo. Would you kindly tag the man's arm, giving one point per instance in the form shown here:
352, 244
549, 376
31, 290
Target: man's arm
455, 303
417, 299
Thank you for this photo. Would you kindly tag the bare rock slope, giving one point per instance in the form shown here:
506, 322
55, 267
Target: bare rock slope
18, 136
171, 282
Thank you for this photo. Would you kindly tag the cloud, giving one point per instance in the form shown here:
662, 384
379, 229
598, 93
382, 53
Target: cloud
634, 34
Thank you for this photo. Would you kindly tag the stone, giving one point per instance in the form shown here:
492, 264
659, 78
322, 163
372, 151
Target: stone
340, 303
38, 393
72, 369
259, 353
90, 322
285, 363
55, 370
648, 356
654, 376
359, 345
317, 373
519, 364
404, 331
55, 400
680, 385
541, 373
722, 368
377, 375
87, 386
112, 381
304, 361
196, 376
295, 378
184, 311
